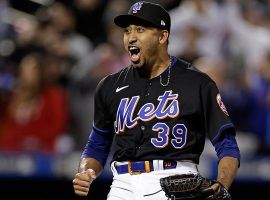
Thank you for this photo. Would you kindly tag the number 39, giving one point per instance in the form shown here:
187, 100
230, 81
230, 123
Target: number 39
179, 132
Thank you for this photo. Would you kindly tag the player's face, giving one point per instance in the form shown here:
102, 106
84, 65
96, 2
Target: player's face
142, 43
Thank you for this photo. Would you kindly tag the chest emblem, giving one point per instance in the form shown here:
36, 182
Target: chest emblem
167, 107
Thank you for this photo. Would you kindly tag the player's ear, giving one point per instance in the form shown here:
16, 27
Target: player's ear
164, 36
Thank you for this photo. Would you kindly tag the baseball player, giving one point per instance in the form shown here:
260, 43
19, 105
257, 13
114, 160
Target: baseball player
159, 111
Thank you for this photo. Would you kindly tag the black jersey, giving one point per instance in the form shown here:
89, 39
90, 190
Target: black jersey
167, 117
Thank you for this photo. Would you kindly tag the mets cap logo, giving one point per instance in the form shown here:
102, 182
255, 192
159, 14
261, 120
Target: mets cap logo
137, 6
221, 104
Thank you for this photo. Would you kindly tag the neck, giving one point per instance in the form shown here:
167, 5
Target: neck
158, 66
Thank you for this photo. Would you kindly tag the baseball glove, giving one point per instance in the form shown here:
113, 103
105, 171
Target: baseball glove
192, 186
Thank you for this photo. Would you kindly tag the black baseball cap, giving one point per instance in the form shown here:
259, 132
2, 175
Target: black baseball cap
145, 13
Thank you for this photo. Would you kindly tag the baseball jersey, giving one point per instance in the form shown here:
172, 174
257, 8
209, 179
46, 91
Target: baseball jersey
166, 117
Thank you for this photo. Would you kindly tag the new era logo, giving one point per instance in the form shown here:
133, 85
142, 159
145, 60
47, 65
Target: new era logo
162, 23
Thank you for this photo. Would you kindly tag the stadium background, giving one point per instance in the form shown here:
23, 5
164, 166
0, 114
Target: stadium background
75, 43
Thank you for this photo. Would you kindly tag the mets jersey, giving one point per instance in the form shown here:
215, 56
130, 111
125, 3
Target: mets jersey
166, 117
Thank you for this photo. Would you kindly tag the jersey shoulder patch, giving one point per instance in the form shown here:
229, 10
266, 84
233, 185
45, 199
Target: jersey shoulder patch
221, 104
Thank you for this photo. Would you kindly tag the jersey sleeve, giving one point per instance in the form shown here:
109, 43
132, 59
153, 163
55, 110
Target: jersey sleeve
216, 116
101, 136
103, 122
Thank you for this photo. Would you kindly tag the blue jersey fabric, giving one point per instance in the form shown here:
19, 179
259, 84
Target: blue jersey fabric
227, 145
97, 147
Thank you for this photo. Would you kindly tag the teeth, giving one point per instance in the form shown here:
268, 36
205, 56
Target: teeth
132, 48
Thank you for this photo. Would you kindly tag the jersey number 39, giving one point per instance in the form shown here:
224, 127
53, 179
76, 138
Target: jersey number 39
179, 132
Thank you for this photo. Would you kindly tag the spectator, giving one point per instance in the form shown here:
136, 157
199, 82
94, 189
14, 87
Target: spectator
260, 87
89, 15
205, 16
37, 112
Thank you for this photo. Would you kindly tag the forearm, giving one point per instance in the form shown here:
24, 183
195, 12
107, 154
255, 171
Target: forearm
227, 170
90, 163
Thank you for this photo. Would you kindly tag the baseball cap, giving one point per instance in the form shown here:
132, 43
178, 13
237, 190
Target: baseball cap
145, 13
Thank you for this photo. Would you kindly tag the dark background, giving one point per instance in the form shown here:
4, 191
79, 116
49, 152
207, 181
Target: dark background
61, 189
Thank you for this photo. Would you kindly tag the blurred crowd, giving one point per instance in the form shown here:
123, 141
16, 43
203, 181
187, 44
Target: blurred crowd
52, 57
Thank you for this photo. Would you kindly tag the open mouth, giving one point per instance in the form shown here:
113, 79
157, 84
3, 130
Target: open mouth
134, 53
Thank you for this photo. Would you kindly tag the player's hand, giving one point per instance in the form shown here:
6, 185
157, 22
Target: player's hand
216, 188
220, 192
82, 182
